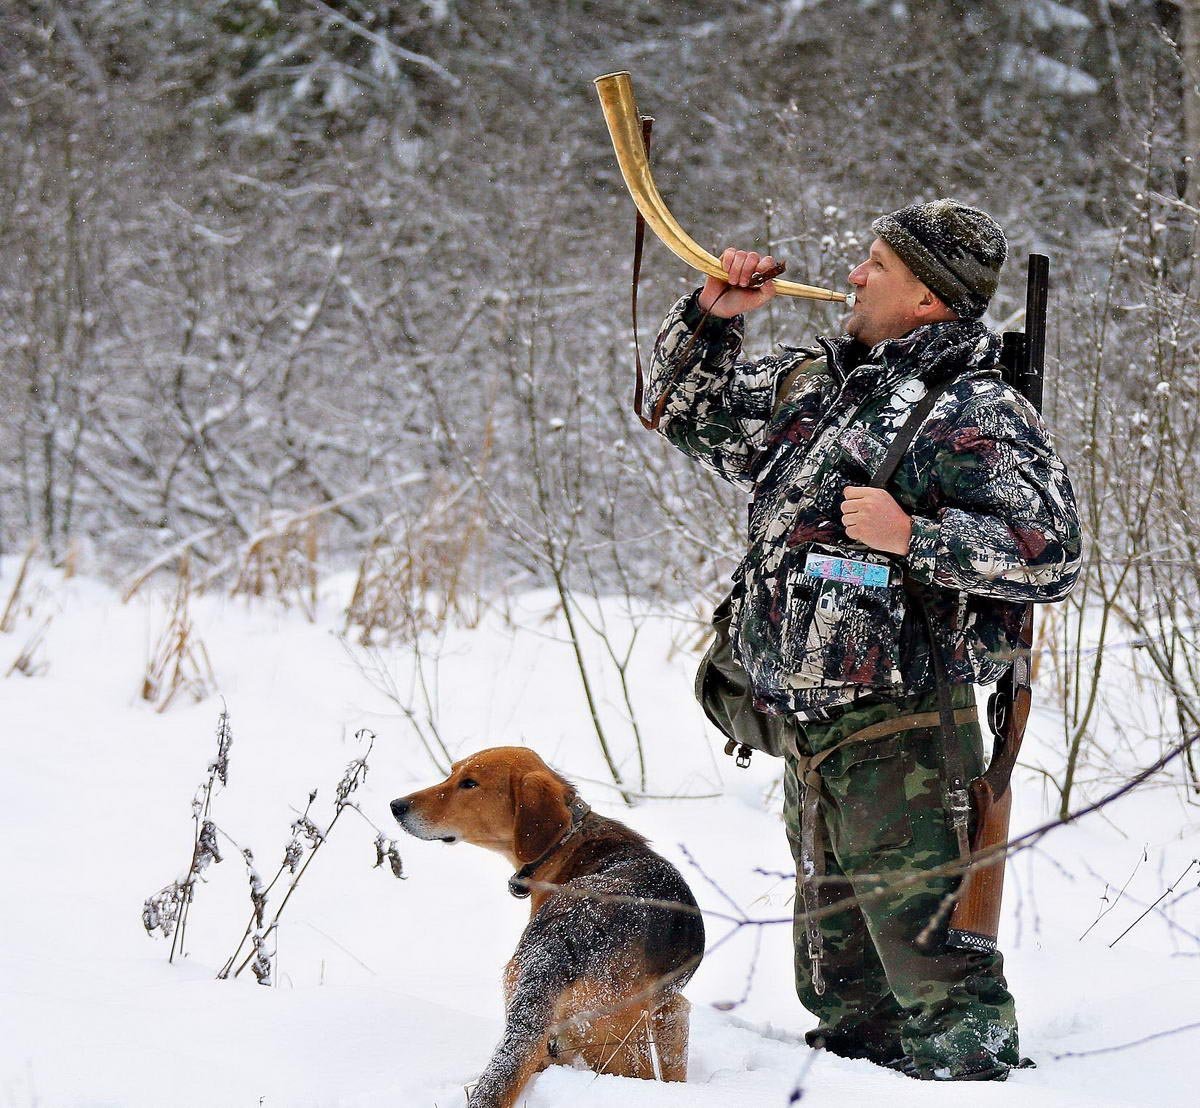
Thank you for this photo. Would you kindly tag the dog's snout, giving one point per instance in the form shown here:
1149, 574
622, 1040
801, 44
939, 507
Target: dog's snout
400, 807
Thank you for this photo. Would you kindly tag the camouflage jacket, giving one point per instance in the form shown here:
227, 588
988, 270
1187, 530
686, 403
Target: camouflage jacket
994, 517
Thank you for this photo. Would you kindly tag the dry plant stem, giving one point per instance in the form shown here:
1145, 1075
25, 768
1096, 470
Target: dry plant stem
24, 661
179, 660
797, 1093
218, 768
1104, 912
1126, 1046
9, 619
1162, 911
380, 677
353, 777
599, 627
283, 866
620, 661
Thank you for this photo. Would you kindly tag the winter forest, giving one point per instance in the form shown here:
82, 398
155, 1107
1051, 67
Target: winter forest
316, 370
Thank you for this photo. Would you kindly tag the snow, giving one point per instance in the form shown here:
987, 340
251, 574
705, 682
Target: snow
388, 991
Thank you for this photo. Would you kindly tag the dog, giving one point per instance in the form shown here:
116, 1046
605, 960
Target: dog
614, 931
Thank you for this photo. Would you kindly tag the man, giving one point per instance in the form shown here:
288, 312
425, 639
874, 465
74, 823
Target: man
978, 519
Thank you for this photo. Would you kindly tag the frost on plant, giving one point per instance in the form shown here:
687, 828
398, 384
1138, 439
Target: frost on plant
166, 911
161, 911
385, 851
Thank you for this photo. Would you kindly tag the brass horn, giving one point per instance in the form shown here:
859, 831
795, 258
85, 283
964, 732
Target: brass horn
625, 129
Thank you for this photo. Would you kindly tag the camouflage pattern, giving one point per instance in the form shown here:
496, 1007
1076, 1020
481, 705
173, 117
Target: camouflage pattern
882, 813
994, 517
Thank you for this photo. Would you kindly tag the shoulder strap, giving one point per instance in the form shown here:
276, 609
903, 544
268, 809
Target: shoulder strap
953, 770
903, 440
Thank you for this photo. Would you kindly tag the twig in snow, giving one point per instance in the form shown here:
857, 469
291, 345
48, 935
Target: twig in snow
1126, 1046
1104, 898
797, 1093
1170, 889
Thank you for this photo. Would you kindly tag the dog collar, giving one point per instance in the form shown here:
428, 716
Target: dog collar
518, 883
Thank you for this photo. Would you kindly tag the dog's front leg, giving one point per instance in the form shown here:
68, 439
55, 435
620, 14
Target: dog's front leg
518, 1056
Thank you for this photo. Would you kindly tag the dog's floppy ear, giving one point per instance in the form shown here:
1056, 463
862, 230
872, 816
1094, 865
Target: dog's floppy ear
542, 815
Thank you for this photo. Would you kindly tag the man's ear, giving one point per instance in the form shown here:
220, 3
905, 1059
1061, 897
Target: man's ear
541, 815
931, 308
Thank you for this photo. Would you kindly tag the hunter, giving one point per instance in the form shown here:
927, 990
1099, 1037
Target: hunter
978, 520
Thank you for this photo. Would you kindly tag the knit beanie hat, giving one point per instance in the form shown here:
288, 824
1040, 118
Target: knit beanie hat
955, 250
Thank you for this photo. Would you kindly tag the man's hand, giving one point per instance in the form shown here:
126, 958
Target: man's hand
872, 517
741, 265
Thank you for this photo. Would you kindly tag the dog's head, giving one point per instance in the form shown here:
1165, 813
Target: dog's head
505, 799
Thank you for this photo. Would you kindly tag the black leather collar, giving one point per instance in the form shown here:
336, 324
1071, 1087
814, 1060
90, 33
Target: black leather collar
518, 883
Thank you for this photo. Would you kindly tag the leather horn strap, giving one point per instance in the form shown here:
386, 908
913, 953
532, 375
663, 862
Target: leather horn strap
639, 241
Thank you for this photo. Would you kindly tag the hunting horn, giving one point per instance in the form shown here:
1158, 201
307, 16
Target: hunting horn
625, 129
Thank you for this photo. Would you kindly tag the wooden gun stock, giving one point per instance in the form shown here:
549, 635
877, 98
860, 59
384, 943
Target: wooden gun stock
975, 921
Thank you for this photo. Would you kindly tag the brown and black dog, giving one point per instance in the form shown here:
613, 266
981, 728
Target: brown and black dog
597, 974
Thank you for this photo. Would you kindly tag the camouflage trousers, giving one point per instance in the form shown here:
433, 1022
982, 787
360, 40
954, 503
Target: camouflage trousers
881, 812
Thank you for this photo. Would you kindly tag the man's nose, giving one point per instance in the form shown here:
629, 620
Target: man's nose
858, 275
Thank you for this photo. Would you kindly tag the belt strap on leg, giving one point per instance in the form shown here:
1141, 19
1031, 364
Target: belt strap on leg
812, 840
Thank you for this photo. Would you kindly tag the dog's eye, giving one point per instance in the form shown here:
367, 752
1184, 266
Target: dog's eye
467, 783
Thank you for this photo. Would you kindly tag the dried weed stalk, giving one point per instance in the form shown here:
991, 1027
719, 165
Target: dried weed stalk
179, 661
306, 840
167, 910
27, 662
280, 561
9, 619
414, 575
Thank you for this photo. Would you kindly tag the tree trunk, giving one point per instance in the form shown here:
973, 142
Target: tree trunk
1189, 45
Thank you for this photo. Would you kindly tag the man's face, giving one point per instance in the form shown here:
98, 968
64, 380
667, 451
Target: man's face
887, 297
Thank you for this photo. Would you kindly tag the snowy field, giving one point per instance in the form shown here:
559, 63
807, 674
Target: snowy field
388, 992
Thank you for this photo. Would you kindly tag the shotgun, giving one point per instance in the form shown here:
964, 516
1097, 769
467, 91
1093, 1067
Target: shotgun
975, 921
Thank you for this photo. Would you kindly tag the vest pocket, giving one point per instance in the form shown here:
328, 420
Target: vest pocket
842, 632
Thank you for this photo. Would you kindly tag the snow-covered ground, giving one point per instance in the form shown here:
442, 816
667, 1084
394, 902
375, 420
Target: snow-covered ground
388, 992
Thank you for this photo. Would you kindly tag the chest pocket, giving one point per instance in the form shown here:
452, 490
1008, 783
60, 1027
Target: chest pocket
862, 453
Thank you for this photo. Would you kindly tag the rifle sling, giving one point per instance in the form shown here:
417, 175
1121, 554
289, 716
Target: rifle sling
954, 771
